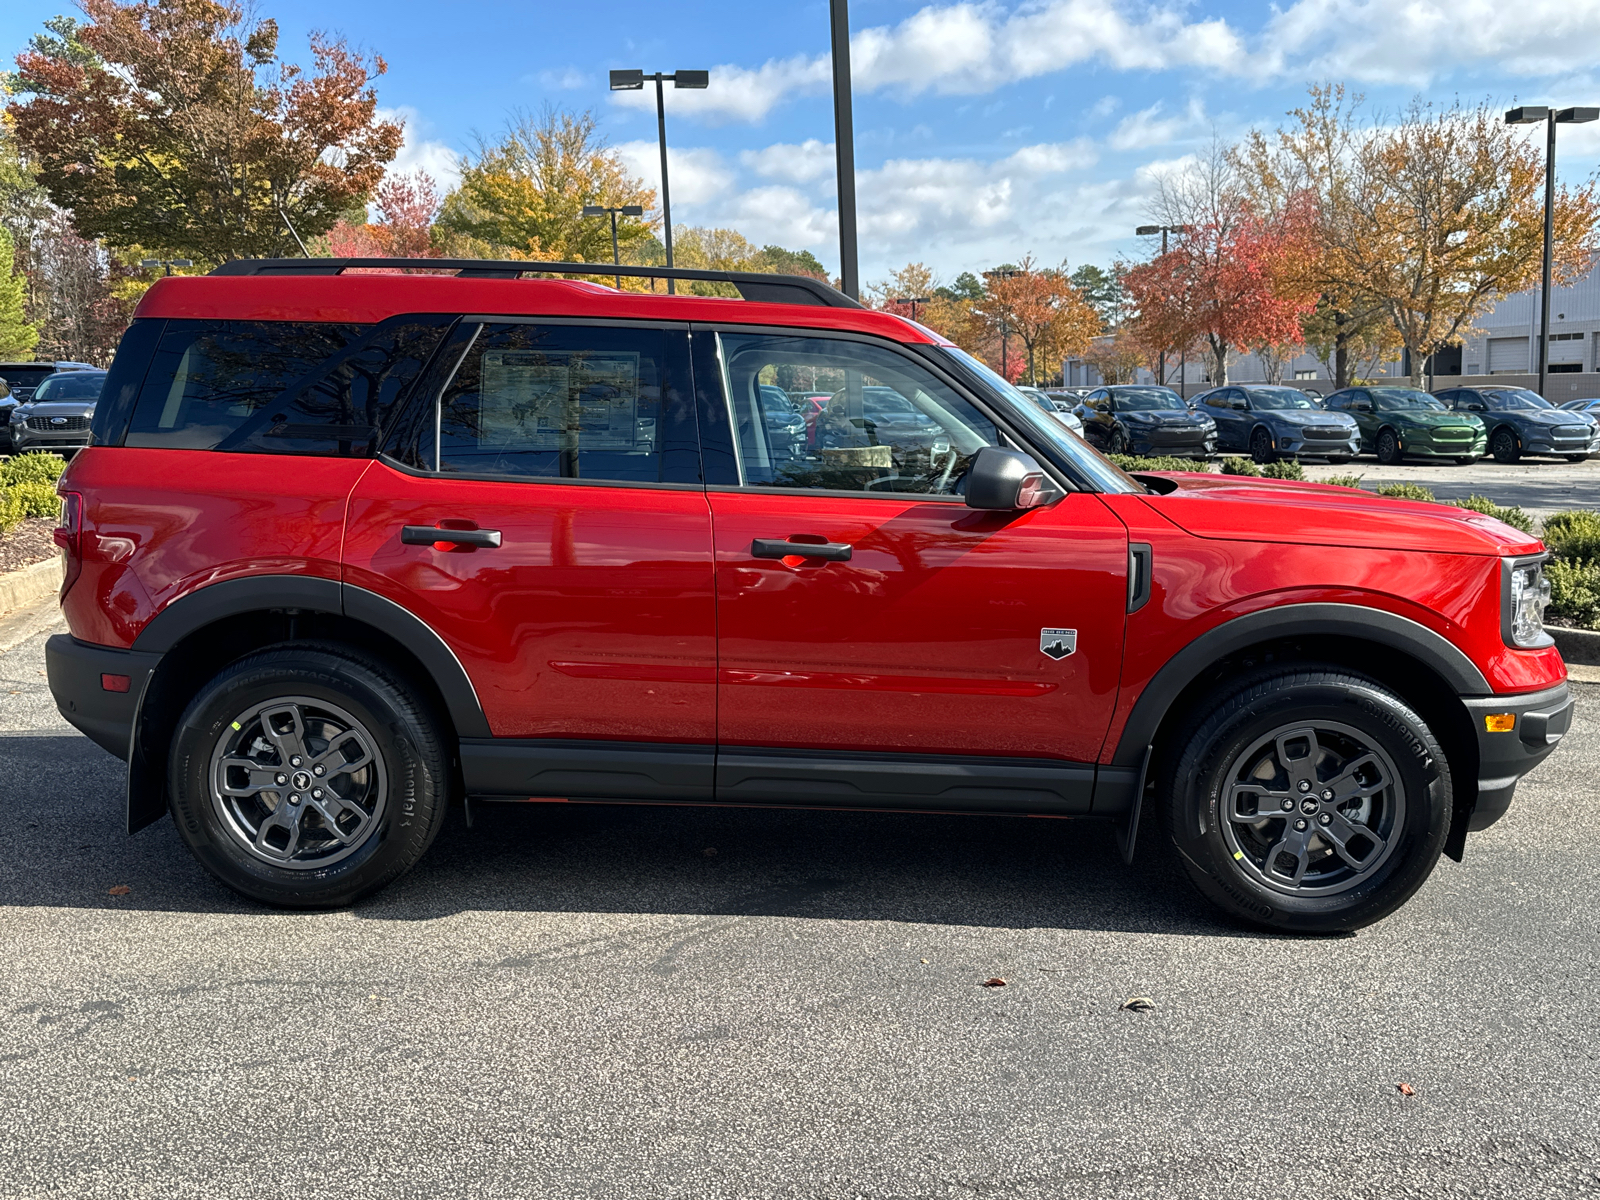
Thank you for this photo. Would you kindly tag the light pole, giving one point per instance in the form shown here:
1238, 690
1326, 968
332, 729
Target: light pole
1531, 115
1005, 329
633, 81
150, 264
844, 146
1163, 230
911, 300
627, 210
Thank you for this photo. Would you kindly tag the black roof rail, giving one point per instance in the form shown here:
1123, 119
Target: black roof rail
767, 289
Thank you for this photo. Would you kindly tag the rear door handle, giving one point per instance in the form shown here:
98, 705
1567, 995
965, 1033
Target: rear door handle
427, 535
779, 548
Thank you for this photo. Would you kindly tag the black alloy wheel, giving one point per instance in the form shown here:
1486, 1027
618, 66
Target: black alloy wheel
1504, 445
1119, 441
1389, 452
308, 776
1261, 445
1307, 799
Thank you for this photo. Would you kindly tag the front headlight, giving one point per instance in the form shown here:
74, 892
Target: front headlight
1529, 593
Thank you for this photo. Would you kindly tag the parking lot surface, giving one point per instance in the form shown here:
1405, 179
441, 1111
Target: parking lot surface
654, 1002
1539, 486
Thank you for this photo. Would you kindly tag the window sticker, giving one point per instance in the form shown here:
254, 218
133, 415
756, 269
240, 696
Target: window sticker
560, 400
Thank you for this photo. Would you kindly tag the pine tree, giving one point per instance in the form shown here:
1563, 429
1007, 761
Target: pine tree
17, 337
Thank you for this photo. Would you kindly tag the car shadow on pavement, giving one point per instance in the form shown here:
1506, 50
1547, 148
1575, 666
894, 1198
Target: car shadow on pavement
62, 845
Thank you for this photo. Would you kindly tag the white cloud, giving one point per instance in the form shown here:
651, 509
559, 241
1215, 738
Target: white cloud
809, 160
1149, 127
737, 93
566, 79
696, 175
417, 153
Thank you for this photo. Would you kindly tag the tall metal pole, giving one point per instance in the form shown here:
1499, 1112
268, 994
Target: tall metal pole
1161, 359
1549, 234
666, 195
616, 254
844, 147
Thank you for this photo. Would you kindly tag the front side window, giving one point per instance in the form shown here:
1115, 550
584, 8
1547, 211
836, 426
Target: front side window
598, 403
888, 426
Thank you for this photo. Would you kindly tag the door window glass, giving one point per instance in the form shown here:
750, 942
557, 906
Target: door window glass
888, 425
568, 402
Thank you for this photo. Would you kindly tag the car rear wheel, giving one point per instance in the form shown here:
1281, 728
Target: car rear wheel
1389, 452
1261, 446
307, 776
1504, 446
1312, 800
1119, 441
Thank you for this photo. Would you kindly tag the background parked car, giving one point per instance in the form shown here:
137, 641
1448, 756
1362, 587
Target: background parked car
1145, 419
887, 417
1588, 406
1521, 422
1268, 420
17, 381
786, 427
58, 415
1057, 409
1398, 423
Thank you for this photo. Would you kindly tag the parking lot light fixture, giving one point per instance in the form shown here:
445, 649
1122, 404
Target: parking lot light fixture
634, 81
626, 210
1151, 231
911, 300
150, 264
1532, 114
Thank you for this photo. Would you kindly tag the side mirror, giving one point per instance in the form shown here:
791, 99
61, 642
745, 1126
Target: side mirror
1004, 480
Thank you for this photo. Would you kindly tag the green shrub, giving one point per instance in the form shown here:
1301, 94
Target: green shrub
1286, 468
1349, 481
1405, 491
1574, 536
1574, 592
38, 499
1132, 463
34, 467
1514, 517
1240, 466
12, 510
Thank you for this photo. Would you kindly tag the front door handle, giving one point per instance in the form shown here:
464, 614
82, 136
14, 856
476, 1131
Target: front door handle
427, 535
779, 548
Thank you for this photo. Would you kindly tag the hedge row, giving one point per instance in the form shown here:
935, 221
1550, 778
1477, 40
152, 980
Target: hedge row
28, 488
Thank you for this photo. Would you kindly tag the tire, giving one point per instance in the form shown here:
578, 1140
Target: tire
1262, 869
1504, 446
1118, 443
1261, 446
359, 826
1389, 452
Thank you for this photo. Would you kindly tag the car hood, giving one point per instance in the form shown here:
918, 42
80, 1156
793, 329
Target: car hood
1241, 509
1306, 416
1548, 416
1164, 417
58, 408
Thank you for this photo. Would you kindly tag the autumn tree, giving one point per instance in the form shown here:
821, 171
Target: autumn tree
407, 204
174, 125
523, 196
1118, 356
1042, 310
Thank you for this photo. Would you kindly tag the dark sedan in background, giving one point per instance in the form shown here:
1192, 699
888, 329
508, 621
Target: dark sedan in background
58, 415
1269, 420
1521, 422
1145, 420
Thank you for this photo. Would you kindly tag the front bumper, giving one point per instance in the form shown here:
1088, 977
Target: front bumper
1312, 446
1172, 443
79, 674
24, 439
1540, 720
1426, 447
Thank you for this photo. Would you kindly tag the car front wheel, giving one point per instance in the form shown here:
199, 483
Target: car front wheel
1504, 446
1261, 446
1389, 452
308, 776
1310, 800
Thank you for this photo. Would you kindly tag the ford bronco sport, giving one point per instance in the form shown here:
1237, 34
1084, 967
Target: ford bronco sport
348, 548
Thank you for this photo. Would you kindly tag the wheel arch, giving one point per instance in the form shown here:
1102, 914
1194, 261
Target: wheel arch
205, 630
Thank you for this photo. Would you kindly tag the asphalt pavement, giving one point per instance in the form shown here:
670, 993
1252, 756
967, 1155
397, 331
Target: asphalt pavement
653, 1002
1539, 486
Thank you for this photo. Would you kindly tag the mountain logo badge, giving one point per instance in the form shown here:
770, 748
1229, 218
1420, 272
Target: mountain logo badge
1057, 643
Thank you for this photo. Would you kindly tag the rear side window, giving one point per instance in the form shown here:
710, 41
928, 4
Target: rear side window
278, 387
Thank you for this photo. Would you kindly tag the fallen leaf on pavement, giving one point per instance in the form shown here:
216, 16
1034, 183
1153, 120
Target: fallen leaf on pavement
1406, 1089
995, 982
121, 889
924, 960
1138, 1004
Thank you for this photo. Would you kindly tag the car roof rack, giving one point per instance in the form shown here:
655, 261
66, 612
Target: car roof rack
761, 287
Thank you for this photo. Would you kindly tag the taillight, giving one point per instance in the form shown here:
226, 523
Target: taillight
69, 536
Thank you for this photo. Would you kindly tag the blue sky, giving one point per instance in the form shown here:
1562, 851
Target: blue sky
983, 131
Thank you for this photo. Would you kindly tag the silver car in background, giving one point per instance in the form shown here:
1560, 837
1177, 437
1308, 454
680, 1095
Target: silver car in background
1052, 406
58, 414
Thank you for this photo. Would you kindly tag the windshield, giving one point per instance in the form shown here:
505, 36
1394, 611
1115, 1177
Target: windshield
1400, 399
71, 385
25, 377
1047, 430
1504, 398
1281, 397
1146, 399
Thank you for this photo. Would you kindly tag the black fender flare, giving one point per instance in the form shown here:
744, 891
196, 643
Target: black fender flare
1289, 620
258, 593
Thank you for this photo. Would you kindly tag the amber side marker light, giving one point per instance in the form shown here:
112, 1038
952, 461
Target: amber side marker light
1499, 722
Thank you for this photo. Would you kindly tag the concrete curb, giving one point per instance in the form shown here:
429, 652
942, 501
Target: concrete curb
1580, 646
25, 587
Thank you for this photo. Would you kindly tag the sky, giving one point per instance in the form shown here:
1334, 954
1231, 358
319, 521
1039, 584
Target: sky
984, 131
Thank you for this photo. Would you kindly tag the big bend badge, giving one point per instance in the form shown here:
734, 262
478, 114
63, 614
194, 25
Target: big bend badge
1057, 643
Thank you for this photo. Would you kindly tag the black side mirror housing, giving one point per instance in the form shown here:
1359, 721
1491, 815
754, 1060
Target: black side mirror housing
1004, 480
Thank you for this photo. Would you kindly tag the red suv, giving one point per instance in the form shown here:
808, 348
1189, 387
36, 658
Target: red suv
350, 547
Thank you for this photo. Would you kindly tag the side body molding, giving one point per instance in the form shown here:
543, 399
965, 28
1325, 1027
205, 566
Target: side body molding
1290, 620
